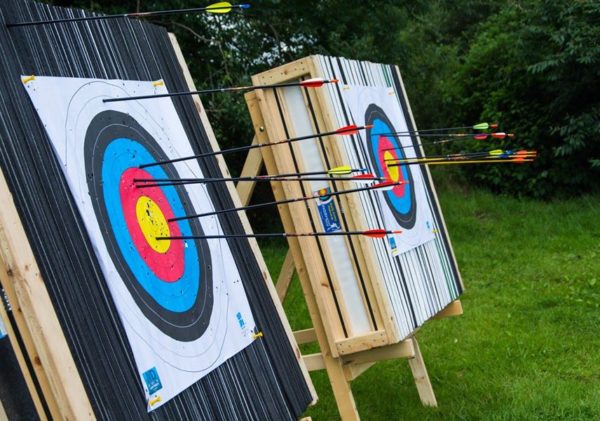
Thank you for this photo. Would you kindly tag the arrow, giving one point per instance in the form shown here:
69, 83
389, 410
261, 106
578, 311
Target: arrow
374, 233
343, 170
160, 182
387, 185
499, 153
491, 160
342, 131
478, 127
309, 83
476, 136
221, 7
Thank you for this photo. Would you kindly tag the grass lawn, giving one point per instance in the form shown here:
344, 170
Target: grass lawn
528, 345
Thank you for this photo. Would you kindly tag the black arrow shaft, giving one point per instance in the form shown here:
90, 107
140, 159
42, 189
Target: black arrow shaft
274, 203
123, 15
206, 91
182, 181
246, 148
268, 235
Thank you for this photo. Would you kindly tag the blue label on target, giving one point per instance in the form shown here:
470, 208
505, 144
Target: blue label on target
152, 381
328, 213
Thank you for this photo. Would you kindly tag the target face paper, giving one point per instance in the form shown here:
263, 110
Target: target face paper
405, 206
181, 302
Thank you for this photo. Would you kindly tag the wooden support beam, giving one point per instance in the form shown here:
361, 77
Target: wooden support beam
252, 167
3, 416
451, 310
352, 371
334, 366
361, 342
314, 362
404, 349
422, 381
27, 375
285, 276
36, 320
305, 336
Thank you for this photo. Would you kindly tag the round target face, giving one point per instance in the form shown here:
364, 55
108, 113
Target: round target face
384, 146
170, 280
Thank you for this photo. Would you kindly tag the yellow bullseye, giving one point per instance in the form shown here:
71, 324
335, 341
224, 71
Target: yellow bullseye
153, 224
394, 172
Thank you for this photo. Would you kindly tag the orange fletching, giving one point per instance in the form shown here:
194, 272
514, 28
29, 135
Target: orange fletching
348, 130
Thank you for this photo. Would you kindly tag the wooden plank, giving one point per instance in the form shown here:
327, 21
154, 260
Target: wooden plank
362, 342
305, 336
451, 310
27, 375
422, 381
244, 219
355, 220
314, 362
376, 287
335, 370
37, 321
404, 349
303, 249
3, 416
285, 276
352, 371
252, 167
287, 163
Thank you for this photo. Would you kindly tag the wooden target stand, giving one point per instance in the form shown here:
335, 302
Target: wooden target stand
358, 354
37, 338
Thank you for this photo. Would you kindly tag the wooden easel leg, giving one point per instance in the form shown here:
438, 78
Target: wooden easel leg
252, 167
3, 416
285, 276
419, 371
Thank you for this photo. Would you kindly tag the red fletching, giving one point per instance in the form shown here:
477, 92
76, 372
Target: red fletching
480, 136
316, 82
365, 177
348, 130
499, 135
376, 233
385, 185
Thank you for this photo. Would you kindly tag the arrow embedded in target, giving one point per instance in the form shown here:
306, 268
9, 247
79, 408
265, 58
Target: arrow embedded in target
386, 185
373, 233
309, 83
337, 171
161, 182
221, 7
342, 131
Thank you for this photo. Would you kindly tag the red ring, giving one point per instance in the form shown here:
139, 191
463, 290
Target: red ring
168, 266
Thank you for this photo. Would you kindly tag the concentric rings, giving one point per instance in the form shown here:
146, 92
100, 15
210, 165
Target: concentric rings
171, 281
384, 147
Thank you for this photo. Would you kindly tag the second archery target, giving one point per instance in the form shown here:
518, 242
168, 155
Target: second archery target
405, 207
182, 302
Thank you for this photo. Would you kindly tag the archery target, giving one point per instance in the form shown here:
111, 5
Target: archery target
404, 207
181, 301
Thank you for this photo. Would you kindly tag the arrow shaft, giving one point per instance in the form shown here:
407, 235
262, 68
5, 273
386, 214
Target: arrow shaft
246, 148
182, 181
271, 234
207, 91
478, 161
274, 203
124, 15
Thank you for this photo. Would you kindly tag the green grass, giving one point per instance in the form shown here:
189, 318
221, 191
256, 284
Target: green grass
528, 344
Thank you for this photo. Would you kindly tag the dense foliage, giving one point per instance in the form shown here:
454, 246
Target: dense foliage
532, 65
